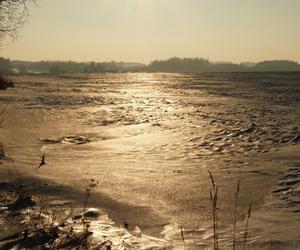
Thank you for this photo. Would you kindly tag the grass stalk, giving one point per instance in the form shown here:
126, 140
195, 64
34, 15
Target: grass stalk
214, 205
236, 195
247, 226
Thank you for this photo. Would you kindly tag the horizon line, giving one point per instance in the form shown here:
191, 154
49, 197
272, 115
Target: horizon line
147, 63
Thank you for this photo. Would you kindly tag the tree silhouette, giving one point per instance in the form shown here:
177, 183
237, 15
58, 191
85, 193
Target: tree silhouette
13, 14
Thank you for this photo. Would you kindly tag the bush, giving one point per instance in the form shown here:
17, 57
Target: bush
4, 83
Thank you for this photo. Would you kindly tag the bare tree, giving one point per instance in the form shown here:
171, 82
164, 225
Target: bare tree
13, 14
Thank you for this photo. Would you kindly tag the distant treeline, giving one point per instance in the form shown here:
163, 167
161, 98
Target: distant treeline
176, 64
66, 67
173, 64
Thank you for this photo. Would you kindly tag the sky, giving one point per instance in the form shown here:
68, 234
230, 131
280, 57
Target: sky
144, 30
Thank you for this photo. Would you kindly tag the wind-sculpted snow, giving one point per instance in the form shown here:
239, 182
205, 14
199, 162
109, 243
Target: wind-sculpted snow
149, 139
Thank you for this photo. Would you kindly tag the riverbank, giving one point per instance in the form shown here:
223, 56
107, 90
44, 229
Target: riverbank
37, 222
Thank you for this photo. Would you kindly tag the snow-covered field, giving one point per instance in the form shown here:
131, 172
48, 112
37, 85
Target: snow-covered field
150, 139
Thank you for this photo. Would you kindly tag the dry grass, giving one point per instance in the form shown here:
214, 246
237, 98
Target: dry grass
215, 209
236, 196
247, 226
4, 83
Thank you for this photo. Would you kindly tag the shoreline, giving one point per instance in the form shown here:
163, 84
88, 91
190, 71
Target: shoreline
43, 193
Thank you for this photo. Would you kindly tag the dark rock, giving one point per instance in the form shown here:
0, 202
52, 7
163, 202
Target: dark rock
92, 213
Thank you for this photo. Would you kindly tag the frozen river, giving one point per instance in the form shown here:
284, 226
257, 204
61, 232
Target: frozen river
150, 139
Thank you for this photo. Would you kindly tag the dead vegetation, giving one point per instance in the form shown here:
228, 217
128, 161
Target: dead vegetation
5, 83
215, 210
40, 224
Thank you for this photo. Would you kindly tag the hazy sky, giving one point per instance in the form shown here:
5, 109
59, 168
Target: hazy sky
143, 30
